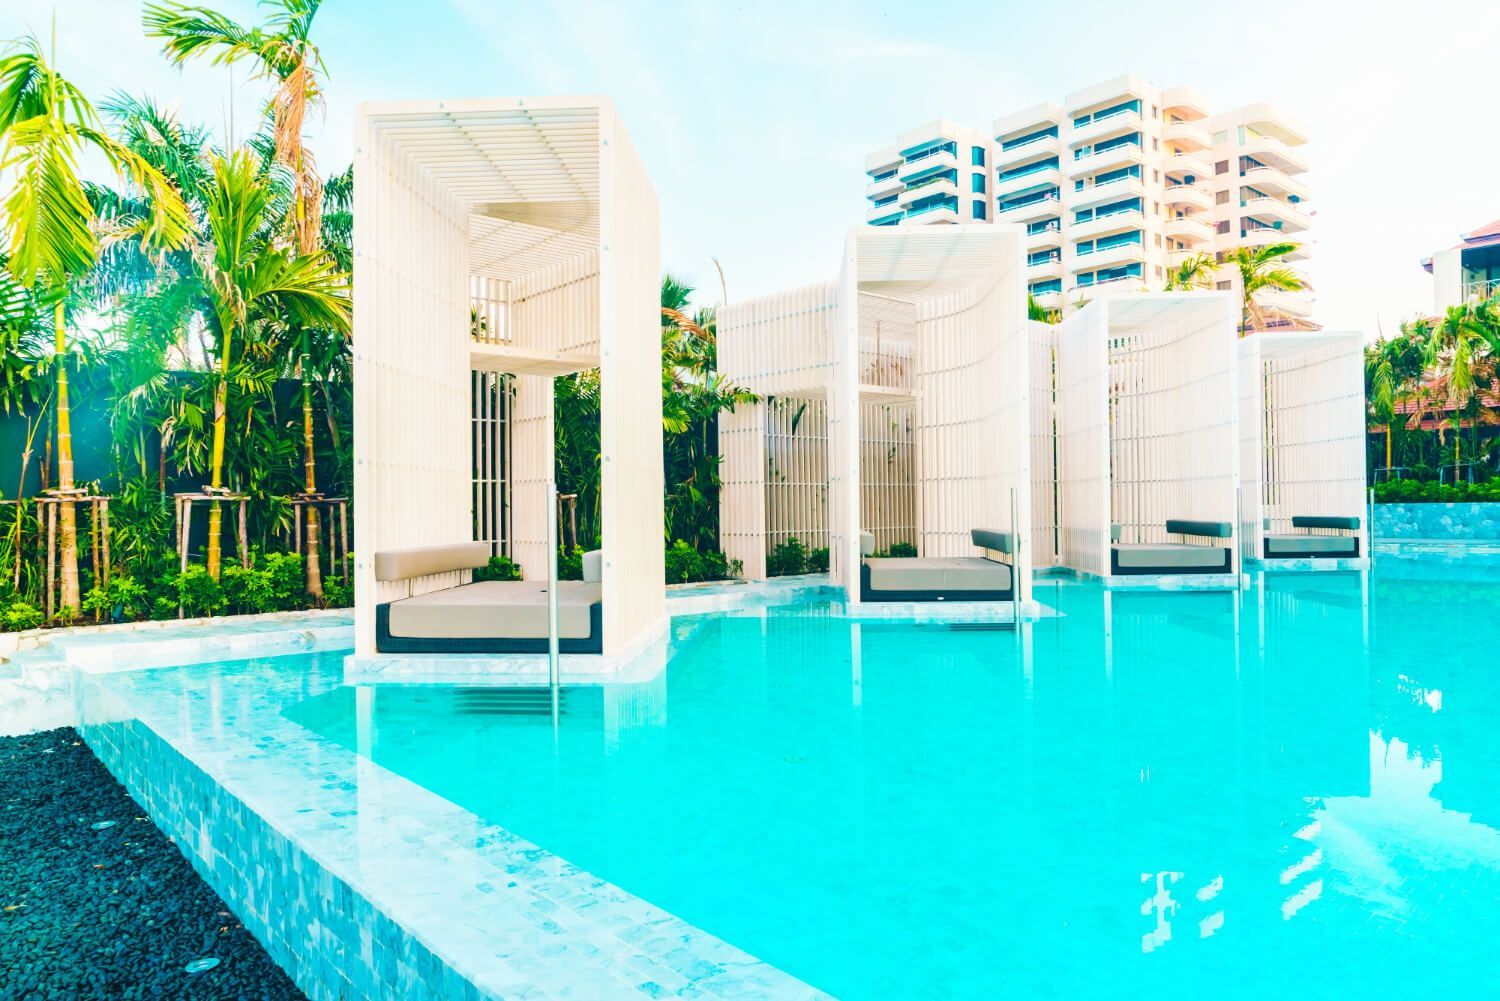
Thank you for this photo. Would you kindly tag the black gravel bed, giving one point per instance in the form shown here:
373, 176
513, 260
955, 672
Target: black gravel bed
114, 912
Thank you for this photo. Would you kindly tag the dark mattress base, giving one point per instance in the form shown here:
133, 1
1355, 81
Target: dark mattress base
869, 594
386, 643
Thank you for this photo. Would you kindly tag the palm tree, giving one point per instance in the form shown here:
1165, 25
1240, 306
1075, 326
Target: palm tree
1195, 271
1262, 268
1460, 353
283, 51
52, 231
1036, 311
245, 281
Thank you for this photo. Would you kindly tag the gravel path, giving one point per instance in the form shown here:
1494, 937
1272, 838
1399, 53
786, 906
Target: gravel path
114, 912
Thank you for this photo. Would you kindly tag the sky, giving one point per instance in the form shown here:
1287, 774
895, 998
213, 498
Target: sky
754, 118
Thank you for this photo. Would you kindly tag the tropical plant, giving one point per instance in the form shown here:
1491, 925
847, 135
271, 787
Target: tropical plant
1262, 269
52, 232
1461, 354
1195, 271
244, 281
282, 50
1042, 314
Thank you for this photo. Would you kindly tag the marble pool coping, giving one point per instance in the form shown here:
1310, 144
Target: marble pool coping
500, 916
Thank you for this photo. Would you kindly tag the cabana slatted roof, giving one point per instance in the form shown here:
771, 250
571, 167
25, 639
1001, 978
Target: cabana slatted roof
922, 264
529, 174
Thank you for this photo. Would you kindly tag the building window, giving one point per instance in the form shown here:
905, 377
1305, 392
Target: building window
1155, 143
976, 184
979, 210
1224, 286
1222, 226
1222, 167
1159, 272
1221, 197
1078, 184
976, 156
1221, 136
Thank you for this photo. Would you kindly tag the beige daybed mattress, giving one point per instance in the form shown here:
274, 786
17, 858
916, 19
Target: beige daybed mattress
1167, 556
938, 573
516, 609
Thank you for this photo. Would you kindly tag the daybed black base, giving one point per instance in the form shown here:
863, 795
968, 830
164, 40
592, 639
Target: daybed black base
1116, 570
866, 593
386, 643
1296, 554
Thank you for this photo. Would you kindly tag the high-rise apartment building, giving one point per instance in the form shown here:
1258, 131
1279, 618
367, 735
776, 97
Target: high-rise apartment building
1115, 187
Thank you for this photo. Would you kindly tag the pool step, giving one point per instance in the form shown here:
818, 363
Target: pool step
508, 700
981, 627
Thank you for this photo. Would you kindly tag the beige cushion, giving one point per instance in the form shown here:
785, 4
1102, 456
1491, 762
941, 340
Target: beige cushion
506, 609
1311, 544
941, 573
1168, 556
419, 561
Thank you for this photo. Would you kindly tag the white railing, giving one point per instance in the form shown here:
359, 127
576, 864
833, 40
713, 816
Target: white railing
1007, 150
1484, 288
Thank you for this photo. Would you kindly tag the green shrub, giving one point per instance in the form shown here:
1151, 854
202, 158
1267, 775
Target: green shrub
569, 564
787, 558
903, 550
288, 581
121, 600
817, 560
198, 594
163, 607
20, 615
338, 593
247, 590
1433, 492
683, 563
498, 568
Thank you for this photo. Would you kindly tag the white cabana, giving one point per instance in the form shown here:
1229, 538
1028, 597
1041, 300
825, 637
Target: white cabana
1146, 420
1302, 446
502, 235
895, 403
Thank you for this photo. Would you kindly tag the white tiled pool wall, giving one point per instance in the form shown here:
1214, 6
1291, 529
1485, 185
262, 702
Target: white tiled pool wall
332, 942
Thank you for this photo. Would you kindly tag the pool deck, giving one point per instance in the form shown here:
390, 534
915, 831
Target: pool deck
362, 884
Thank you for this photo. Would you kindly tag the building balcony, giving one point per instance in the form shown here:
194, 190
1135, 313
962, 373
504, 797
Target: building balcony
1115, 222
1185, 102
879, 189
1275, 153
1118, 156
1048, 300
1111, 191
935, 214
1261, 238
883, 213
925, 189
1274, 180
1296, 305
1109, 257
1044, 236
1182, 165
882, 160
1187, 135
1031, 211
1047, 176
1192, 196
1050, 267
1109, 287
924, 164
1032, 149
1114, 124
1292, 218
1190, 231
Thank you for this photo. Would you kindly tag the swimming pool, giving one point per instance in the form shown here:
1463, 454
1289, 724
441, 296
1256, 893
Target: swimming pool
1290, 790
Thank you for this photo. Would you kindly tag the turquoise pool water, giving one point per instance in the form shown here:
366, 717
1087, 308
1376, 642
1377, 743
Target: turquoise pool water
1293, 791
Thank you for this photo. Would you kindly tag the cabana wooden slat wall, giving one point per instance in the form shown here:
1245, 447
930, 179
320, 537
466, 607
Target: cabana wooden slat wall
1301, 431
1147, 407
887, 462
413, 470
492, 459
537, 215
774, 479
1083, 441
1173, 423
1044, 547
630, 394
